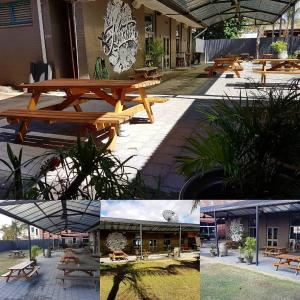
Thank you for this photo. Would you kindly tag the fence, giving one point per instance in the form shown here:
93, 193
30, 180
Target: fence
221, 47
7, 245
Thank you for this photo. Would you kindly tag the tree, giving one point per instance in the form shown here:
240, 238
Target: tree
228, 29
13, 231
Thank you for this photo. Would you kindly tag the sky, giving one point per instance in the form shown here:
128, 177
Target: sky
4, 220
150, 210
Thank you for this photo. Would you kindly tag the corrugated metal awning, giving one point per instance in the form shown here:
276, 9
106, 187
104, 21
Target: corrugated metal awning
54, 216
149, 226
209, 12
248, 207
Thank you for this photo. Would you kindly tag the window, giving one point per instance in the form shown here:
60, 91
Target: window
178, 38
74, 240
152, 243
32, 229
36, 231
252, 232
149, 33
15, 13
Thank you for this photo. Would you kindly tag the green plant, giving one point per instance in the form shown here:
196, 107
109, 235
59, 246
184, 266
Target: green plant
35, 250
255, 141
279, 46
241, 251
83, 171
249, 248
212, 248
156, 51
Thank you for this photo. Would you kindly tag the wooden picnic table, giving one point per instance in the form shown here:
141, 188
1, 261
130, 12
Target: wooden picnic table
70, 268
146, 73
225, 64
24, 269
16, 254
289, 261
288, 66
79, 91
69, 257
274, 251
118, 255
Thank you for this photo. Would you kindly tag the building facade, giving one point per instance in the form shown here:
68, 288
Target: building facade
71, 35
156, 237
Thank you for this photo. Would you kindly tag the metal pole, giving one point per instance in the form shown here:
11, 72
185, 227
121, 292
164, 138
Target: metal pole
43, 243
291, 41
280, 26
141, 239
179, 241
273, 33
29, 242
257, 234
216, 234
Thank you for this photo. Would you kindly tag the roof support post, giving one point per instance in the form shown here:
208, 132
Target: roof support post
273, 33
216, 233
43, 239
179, 241
257, 233
95, 242
291, 36
280, 27
141, 239
29, 242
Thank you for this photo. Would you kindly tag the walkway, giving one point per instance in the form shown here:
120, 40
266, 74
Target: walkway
45, 286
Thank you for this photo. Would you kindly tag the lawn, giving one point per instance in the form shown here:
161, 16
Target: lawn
163, 279
6, 262
221, 282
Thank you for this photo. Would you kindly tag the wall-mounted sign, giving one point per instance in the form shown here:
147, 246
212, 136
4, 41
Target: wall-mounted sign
120, 36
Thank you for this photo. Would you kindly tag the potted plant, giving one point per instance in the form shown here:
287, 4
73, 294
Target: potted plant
156, 51
246, 149
280, 48
241, 254
213, 251
35, 250
250, 245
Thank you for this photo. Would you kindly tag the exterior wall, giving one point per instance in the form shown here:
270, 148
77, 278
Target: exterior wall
281, 221
159, 237
20, 45
93, 13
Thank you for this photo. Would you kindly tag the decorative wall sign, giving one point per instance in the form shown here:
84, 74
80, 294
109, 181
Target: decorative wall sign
236, 230
116, 241
120, 36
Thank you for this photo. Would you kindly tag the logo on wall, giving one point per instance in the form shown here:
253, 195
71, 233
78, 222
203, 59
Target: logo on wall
116, 241
120, 37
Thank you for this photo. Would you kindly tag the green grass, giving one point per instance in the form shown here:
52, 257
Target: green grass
6, 262
221, 282
163, 279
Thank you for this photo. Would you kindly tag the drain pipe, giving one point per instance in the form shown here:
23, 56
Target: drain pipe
42, 33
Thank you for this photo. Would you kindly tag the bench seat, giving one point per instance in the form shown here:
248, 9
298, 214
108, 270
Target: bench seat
99, 119
95, 279
280, 71
35, 270
213, 68
6, 274
151, 100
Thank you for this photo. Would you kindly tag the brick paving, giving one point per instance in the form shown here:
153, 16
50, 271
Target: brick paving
46, 287
154, 146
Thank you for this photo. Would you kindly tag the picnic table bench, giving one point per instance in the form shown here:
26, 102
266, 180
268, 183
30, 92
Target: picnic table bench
89, 270
69, 257
75, 89
146, 73
118, 255
287, 66
24, 269
274, 251
224, 65
16, 254
288, 261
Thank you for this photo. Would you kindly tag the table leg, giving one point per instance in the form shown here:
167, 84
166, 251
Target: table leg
25, 124
146, 104
9, 275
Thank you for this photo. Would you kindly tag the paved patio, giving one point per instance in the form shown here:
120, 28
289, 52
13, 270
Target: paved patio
46, 287
154, 146
265, 264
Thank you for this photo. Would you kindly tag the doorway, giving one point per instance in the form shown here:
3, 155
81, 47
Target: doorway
272, 236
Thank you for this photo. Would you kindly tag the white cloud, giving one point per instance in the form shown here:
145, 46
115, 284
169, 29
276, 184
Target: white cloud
4, 220
149, 209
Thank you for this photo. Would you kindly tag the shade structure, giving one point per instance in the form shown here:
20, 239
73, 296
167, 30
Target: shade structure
54, 216
209, 12
248, 207
149, 226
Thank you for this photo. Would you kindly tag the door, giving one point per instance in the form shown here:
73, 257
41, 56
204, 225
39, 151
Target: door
272, 236
166, 57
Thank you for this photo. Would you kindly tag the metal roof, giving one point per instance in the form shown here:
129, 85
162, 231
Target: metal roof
248, 207
154, 226
54, 216
209, 12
